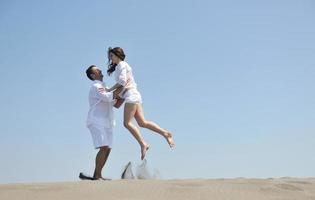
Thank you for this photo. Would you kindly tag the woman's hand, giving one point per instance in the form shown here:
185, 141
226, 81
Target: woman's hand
117, 92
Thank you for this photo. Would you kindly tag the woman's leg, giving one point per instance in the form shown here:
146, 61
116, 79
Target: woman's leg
142, 122
129, 113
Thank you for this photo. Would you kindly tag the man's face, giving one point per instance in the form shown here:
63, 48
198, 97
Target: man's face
97, 74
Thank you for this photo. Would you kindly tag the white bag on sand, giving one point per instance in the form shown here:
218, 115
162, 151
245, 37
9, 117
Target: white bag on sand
127, 173
156, 174
142, 172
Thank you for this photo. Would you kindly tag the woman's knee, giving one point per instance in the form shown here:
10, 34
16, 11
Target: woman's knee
142, 123
127, 124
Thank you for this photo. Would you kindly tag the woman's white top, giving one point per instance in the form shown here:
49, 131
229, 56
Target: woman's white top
124, 77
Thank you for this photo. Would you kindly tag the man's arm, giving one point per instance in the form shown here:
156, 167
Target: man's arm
106, 96
102, 94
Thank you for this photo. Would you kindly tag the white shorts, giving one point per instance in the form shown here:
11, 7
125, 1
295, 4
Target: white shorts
132, 96
101, 136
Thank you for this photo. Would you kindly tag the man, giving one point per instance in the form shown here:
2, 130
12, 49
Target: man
100, 120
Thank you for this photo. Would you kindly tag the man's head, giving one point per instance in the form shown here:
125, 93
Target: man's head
94, 73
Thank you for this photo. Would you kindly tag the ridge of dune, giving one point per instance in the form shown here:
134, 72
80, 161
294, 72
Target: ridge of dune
233, 189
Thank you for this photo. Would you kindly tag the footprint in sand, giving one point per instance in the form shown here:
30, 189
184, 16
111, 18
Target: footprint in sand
285, 186
300, 182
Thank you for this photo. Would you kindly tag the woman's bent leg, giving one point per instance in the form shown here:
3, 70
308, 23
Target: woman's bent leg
142, 122
129, 112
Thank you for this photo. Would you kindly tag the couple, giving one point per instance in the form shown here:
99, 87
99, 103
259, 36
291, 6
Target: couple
100, 120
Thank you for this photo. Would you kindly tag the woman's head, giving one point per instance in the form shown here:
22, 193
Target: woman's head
115, 55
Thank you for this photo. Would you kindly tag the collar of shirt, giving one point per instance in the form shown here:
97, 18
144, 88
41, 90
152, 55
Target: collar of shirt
100, 82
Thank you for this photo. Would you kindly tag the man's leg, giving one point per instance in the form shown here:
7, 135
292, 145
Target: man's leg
100, 161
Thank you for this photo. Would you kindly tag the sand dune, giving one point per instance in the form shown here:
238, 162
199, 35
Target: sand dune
229, 189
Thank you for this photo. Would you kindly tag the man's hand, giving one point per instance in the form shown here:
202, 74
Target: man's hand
101, 89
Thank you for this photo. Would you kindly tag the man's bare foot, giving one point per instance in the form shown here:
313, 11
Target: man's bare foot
101, 179
97, 178
144, 150
104, 179
169, 138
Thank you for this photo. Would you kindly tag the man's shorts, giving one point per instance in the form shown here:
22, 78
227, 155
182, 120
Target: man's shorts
101, 136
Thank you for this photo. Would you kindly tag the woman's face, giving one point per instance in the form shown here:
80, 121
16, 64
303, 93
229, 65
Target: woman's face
114, 58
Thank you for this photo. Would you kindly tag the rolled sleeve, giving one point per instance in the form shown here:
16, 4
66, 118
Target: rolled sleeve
103, 95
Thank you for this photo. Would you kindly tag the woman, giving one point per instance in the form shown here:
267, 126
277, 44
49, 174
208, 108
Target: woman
133, 102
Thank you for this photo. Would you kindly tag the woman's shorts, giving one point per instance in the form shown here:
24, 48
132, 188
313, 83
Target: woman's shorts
132, 96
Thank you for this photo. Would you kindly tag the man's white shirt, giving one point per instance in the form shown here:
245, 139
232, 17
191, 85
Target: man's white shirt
101, 110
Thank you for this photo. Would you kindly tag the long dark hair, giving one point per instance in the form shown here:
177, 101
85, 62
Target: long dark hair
117, 51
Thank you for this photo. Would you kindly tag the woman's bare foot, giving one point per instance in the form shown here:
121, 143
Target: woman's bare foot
169, 138
144, 150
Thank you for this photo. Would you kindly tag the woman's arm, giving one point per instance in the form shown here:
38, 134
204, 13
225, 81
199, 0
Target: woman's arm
116, 86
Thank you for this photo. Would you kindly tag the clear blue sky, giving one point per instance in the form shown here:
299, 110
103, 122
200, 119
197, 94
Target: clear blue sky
233, 80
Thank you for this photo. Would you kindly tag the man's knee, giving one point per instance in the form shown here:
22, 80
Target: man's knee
104, 148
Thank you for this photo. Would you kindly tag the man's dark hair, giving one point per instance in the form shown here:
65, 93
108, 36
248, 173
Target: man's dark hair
89, 71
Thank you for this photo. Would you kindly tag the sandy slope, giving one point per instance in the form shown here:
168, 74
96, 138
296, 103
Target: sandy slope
240, 189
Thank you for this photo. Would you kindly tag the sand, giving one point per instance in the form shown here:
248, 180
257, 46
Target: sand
229, 189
